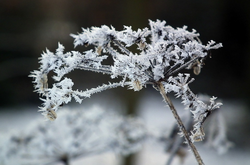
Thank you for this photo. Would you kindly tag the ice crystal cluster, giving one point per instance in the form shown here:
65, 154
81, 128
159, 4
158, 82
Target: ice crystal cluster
164, 54
75, 134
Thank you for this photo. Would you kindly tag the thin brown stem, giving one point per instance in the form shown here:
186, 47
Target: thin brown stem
180, 124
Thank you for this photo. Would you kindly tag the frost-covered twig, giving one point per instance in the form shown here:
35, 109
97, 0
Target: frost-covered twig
198, 108
180, 124
164, 54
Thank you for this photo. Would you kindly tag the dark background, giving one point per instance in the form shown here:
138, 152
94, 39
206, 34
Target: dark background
28, 27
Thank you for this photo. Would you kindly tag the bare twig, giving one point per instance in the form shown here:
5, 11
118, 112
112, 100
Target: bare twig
180, 124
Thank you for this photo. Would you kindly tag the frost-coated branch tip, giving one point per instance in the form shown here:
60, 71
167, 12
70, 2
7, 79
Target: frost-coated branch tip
163, 52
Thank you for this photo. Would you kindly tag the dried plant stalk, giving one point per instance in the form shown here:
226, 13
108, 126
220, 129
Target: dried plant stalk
180, 124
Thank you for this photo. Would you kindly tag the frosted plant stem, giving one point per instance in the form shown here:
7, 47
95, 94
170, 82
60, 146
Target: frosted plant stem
180, 124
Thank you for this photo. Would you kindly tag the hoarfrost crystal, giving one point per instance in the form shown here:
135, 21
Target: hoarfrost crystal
164, 54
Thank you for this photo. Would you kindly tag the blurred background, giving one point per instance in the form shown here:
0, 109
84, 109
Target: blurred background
28, 27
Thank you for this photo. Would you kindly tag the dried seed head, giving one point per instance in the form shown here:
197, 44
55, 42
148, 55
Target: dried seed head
136, 85
197, 67
198, 135
51, 115
44, 83
142, 45
99, 50
197, 70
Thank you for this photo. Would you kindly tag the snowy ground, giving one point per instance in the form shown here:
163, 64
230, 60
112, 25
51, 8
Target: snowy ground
156, 115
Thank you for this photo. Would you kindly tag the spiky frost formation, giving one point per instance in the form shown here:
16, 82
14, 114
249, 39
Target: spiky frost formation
164, 51
164, 54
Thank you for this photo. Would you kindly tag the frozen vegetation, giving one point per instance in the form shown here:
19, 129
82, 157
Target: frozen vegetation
163, 56
151, 150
